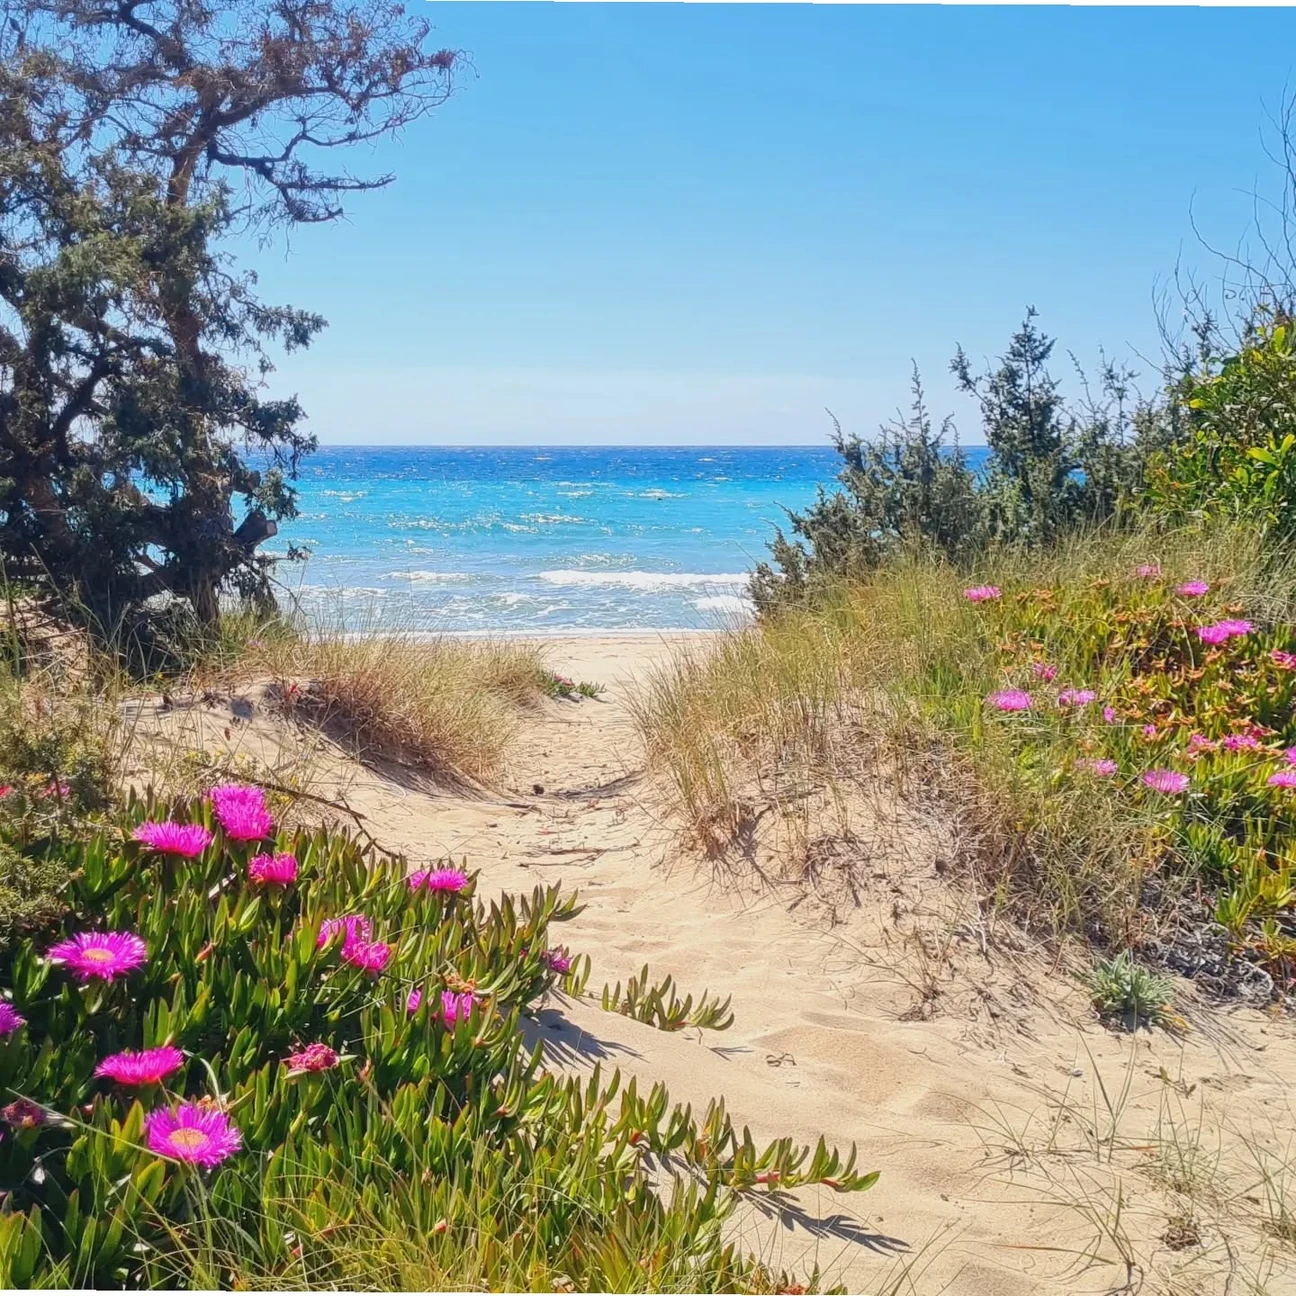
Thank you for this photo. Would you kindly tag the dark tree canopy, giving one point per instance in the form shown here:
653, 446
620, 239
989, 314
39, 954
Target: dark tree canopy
134, 137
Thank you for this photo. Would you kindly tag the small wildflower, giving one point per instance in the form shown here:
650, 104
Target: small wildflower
170, 838
314, 1057
1076, 697
440, 879
242, 811
1199, 742
273, 870
192, 1132
1192, 589
982, 593
1236, 627
147, 1067
1284, 659
22, 1113
1109, 715
413, 1001
100, 954
1169, 782
1212, 634
1285, 778
10, 1018
1010, 700
1102, 768
356, 927
1045, 671
1149, 731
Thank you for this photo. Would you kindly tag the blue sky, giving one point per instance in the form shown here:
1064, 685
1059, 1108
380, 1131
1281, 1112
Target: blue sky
702, 224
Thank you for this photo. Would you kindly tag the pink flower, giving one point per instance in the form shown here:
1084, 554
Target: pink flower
1241, 742
1283, 778
100, 954
1010, 700
59, 790
557, 960
1148, 569
439, 879
10, 1019
1284, 659
1044, 671
356, 927
1109, 715
1236, 627
1290, 753
1102, 768
273, 870
1212, 634
414, 1000
1192, 589
370, 956
1076, 697
982, 593
6, 790
314, 1057
22, 1113
1149, 731
192, 1132
170, 838
242, 811
456, 1007
1199, 742
147, 1067
1170, 782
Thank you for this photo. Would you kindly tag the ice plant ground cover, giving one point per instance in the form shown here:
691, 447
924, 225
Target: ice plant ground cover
227, 1099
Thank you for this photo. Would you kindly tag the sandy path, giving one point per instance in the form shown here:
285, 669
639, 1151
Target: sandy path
986, 1188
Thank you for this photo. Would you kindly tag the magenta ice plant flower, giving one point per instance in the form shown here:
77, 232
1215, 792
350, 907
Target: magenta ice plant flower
1045, 671
314, 1057
1284, 778
273, 870
356, 927
1103, 768
369, 956
448, 880
982, 593
1286, 660
1149, 731
1109, 715
100, 954
1076, 697
22, 1113
413, 1000
171, 838
1212, 634
146, 1067
1168, 782
456, 1007
1192, 589
10, 1018
1010, 700
1234, 626
557, 960
1241, 742
192, 1132
242, 811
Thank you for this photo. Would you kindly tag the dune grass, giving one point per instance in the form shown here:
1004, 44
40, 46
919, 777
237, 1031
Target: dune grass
906, 661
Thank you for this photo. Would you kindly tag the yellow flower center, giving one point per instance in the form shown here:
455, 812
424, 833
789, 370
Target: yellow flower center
97, 954
187, 1140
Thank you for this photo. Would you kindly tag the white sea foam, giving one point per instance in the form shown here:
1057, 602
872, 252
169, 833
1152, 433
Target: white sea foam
643, 580
726, 603
426, 576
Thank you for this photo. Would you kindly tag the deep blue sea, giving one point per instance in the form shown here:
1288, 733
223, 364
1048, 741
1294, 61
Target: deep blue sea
540, 540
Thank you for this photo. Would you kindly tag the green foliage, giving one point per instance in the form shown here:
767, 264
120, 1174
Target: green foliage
1051, 469
31, 883
658, 1005
1122, 988
436, 1148
135, 143
559, 686
1236, 457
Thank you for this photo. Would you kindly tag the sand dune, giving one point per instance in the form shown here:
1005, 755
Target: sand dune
1024, 1148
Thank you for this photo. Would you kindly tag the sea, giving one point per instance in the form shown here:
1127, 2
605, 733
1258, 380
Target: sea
539, 540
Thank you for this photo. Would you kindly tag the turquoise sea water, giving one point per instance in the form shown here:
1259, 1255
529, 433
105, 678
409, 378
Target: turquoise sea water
540, 540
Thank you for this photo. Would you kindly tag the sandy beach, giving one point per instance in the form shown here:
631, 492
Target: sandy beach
986, 1113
